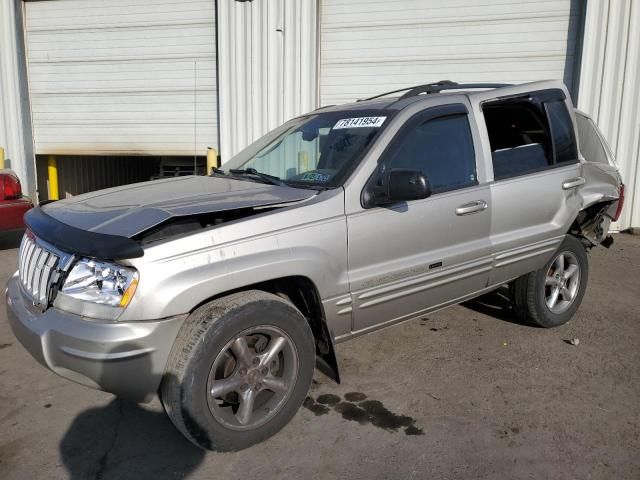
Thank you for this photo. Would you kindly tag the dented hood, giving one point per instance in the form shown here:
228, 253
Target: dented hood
128, 210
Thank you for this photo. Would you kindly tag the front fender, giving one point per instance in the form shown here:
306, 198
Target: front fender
180, 282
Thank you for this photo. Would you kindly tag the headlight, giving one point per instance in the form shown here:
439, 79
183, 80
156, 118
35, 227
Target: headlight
101, 283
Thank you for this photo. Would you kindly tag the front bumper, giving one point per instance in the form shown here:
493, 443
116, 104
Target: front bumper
127, 359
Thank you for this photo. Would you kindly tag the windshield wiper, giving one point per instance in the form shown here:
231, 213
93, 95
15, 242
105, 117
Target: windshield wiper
272, 179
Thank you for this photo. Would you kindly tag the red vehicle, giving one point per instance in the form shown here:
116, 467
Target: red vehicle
12, 204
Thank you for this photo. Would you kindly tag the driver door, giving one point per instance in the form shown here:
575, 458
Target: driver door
412, 257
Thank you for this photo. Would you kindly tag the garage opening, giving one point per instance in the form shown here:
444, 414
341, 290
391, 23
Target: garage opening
82, 173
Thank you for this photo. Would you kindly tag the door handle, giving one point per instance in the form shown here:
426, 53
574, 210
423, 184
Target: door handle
573, 183
471, 207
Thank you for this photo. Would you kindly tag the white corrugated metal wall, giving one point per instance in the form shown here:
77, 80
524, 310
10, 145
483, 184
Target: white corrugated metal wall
268, 52
15, 130
123, 76
267, 67
381, 45
610, 89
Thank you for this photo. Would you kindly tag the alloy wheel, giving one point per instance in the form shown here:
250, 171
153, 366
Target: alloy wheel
562, 282
252, 377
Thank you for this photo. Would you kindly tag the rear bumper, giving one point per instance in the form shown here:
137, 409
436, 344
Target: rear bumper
127, 359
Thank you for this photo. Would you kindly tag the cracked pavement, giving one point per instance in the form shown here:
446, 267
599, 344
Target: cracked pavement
487, 397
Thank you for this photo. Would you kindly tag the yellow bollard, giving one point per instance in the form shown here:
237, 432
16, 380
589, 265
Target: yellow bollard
212, 159
1, 158
52, 169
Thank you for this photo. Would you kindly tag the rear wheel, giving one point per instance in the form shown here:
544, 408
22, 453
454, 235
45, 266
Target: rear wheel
549, 297
239, 370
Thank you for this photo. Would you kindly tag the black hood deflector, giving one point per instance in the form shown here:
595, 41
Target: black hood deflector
78, 241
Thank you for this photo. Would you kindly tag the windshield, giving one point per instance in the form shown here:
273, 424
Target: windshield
317, 150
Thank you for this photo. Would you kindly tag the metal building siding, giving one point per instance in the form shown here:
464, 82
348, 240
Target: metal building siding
15, 121
267, 65
610, 92
380, 45
122, 77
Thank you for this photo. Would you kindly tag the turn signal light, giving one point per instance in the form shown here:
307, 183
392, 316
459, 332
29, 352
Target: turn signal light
128, 293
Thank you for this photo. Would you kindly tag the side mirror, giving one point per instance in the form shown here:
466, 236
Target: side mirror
404, 185
399, 185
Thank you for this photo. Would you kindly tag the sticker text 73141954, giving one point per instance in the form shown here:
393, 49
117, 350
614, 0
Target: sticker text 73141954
359, 122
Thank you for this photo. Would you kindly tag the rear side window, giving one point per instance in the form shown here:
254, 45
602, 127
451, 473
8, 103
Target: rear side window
590, 144
564, 141
442, 148
527, 136
519, 138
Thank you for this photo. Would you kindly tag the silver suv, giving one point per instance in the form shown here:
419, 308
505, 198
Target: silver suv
223, 292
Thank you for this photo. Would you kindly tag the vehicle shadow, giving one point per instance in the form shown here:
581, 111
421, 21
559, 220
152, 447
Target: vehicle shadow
496, 304
124, 440
10, 239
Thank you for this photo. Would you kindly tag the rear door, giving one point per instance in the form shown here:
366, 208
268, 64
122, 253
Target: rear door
537, 173
410, 257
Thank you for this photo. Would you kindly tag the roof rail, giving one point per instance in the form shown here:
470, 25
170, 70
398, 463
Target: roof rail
437, 87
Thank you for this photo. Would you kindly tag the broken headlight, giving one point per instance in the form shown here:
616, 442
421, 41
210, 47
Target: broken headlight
101, 283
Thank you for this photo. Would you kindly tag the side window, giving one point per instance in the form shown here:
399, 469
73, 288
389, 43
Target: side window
564, 141
590, 144
442, 148
519, 138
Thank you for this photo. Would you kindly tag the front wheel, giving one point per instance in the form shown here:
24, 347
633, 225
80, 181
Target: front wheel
549, 297
239, 370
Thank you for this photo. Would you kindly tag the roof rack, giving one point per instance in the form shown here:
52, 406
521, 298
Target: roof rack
437, 87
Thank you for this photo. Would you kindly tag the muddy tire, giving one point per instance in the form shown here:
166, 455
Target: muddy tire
239, 370
549, 297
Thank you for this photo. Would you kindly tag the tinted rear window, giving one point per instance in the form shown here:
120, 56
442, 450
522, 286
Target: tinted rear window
564, 142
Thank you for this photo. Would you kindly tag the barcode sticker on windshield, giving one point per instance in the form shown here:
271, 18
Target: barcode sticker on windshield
360, 122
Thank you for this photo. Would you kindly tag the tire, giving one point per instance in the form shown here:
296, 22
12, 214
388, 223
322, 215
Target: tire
533, 294
227, 347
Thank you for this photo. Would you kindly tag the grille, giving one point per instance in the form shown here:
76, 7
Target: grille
38, 270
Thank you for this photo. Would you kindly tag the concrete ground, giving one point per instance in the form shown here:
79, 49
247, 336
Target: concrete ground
465, 393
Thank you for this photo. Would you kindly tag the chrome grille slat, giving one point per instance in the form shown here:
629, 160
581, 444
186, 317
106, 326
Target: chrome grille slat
45, 281
34, 281
38, 286
38, 268
28, 246
23, 272
23, 252
29, 269
33, 263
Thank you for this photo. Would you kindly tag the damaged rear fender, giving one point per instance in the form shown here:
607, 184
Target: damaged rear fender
599, 201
